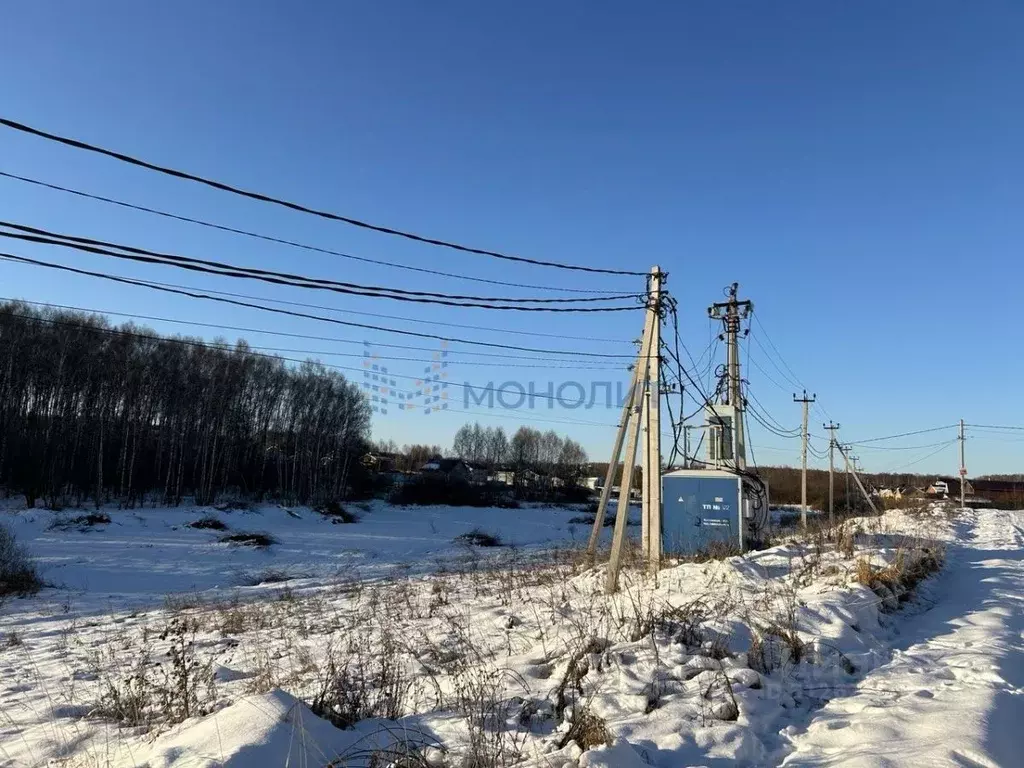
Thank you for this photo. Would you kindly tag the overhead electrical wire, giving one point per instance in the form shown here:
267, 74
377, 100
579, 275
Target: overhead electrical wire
383, 315
794, 379
291, 313
192, 343
208, 266
899, 447
229, 345
582, 365
77, 144
924, 458
901, 434
290, 243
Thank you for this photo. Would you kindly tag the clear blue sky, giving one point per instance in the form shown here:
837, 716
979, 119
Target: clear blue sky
856, 167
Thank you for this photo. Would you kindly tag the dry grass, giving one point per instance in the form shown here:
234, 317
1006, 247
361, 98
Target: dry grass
895, 582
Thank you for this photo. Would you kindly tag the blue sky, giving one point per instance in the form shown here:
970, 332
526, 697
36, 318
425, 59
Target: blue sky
856, 167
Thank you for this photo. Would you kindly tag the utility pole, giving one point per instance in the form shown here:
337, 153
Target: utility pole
853, 460
731, 313
831, 427
803, 458
631, 428
652, 453
686, 444
963, 466
641, 411
847, 482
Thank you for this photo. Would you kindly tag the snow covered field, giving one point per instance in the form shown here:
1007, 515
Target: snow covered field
144, 554
424, 652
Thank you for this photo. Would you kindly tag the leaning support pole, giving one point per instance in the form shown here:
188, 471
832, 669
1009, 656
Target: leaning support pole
613, 464
856, 478
633, 420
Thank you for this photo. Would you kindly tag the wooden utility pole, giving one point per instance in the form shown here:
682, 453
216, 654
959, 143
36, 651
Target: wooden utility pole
803, 458
963, 466
831, 427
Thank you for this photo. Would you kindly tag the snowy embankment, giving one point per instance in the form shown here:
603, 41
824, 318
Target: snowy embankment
491, 657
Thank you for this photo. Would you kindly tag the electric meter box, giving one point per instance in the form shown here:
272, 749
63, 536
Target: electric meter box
704, 509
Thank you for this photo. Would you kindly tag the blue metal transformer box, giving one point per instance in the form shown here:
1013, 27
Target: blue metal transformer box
701, 509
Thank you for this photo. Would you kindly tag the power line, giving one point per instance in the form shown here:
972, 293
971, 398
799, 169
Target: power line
290, 313
193, 343
244, 329
582, 365
924, 458
290, 243
386, 316
301, 208
902, 434
994, 427
552, 364
222, 269
795, 379
900, 447
765, 413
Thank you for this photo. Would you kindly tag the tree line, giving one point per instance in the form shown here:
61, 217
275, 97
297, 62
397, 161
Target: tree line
546, 453
89, 411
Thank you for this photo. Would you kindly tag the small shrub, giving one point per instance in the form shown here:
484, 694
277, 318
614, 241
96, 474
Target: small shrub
208, 523
479, 538
259, 540
586, 729
370, 681
18, 574
337, 513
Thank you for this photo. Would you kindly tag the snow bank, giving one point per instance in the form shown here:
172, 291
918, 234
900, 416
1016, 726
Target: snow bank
266, 731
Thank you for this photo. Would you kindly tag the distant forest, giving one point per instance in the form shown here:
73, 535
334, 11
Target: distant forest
89, 412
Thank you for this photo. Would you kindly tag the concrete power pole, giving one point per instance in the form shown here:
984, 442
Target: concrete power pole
652, 452
963, 466
803, 458
642, 410
831, 427
731, 313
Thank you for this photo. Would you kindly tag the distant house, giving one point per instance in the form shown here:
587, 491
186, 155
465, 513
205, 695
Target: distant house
948, 488
523, 477
896, 494
593, 483
1003, 493
453, 469
380, 461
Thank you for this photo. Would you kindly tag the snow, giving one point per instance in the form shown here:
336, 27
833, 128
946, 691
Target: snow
778, 657
953, 693
144, 554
